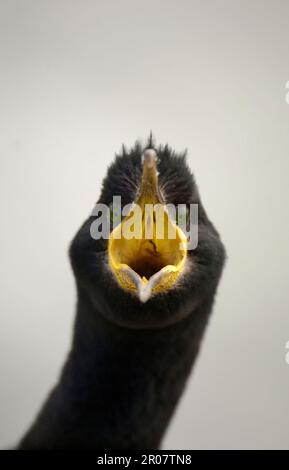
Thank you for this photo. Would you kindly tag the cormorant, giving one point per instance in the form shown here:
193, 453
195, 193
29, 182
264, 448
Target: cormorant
142, 308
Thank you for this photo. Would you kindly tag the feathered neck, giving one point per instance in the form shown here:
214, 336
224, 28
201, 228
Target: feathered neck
119, 387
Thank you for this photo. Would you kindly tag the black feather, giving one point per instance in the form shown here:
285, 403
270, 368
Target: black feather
129, 361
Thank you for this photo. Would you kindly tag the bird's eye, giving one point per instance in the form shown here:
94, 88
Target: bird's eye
182, 215
115, 215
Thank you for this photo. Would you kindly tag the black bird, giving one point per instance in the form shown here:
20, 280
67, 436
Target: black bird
142, 308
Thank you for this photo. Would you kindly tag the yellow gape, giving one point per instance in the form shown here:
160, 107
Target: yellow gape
147, 251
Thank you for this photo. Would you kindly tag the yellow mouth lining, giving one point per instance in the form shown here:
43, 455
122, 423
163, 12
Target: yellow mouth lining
147, 251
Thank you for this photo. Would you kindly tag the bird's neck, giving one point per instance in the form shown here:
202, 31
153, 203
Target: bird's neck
119, 386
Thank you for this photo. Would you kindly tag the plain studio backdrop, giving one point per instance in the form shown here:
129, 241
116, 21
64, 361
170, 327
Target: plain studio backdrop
80, 77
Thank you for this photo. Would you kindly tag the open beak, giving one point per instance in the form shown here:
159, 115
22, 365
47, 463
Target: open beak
147, 251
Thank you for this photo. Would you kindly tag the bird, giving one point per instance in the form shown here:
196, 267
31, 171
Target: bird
142, 308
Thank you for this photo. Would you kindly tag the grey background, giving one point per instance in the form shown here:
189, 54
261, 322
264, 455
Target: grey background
77, 79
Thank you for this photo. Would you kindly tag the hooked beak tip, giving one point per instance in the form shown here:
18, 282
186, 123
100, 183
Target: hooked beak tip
149, 158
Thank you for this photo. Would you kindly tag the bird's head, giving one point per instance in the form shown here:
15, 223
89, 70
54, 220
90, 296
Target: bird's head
135, 256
